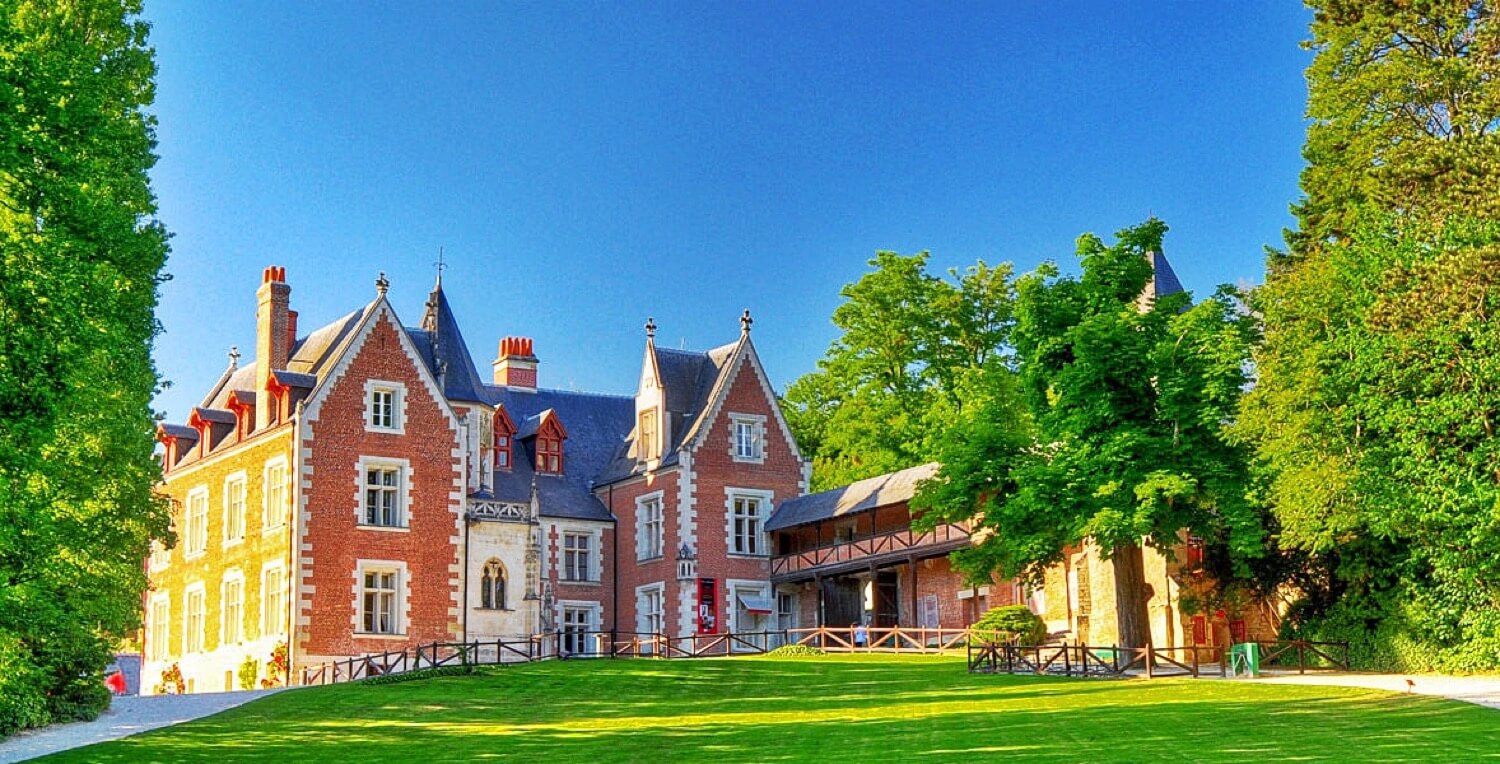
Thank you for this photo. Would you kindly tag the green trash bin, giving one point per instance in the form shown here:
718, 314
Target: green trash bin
1244, 658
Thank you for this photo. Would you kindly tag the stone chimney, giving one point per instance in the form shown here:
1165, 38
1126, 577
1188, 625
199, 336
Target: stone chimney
516, 366
272, 328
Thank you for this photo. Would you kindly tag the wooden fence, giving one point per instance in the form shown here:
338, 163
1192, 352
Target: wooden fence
988, 652
1189, 661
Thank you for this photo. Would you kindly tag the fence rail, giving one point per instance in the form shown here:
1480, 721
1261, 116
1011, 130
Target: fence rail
987, 652
865, 547
992, 657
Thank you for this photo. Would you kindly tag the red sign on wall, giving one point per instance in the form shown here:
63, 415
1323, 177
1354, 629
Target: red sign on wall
708, 606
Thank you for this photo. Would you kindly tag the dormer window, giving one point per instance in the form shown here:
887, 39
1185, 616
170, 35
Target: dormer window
647, 434
549, 444
505, 439
549, 454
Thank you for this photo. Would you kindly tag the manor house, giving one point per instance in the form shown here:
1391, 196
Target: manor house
361, 488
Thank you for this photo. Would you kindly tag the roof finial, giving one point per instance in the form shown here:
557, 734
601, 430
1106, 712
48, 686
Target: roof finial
382, 284
440, 266
745, 322
234, 356
650, 328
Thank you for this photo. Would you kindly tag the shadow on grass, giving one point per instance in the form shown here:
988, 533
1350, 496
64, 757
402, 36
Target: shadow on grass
726, 711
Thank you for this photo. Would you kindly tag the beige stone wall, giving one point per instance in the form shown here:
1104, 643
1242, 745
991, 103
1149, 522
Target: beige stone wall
1078, 601
215, 668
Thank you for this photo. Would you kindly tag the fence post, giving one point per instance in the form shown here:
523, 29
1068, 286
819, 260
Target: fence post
1301, 658
1194, 648
1150, 660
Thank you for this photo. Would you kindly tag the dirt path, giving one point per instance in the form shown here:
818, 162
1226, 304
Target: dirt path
126, 716
1482, 690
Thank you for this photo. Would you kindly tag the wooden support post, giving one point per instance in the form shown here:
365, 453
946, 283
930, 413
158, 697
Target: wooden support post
916, 618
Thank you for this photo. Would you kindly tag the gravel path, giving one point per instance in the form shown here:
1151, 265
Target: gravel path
126, 716
1482, 690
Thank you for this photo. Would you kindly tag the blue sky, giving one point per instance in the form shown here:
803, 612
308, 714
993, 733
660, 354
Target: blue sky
587, 165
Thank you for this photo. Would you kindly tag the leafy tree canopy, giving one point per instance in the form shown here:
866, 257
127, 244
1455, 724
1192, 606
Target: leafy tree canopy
1115, 431
913, 346
80, 260
1372, 416
1404, 98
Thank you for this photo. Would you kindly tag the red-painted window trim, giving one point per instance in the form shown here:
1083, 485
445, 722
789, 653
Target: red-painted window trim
549, 447
505, 440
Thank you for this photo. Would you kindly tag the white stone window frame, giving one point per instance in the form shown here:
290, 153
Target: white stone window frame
403, 492
766, 499
199, 589
398, 406
658, 588
757, 425
642, 541
403, 598
270, 522
190, 530
243, 481
232, 575
160, 627
266, 628
595, 622
596, 553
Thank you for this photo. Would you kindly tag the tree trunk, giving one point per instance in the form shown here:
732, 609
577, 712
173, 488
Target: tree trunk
1134, 619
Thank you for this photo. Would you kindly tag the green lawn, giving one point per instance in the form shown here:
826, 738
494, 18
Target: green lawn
872, 708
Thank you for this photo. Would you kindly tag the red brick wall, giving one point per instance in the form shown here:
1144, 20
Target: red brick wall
715, 470
620, 499
333, 542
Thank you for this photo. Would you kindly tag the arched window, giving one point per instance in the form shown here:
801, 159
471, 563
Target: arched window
492, 586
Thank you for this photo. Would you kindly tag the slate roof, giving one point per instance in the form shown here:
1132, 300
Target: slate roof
596, 426
1163, 280
690, 379
861, 496
178, 431
445, 352
310, 358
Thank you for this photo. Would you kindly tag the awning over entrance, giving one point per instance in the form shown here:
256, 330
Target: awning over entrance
754, 604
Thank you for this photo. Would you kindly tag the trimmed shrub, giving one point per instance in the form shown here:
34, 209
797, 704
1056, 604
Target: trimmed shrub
796, 651
412, 676
1014, 622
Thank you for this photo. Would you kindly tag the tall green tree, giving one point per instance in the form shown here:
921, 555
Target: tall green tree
1404, 98
81, 257
1371, 414
911, 344
1116, 433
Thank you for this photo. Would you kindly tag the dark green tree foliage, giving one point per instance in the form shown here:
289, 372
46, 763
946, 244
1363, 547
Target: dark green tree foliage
1373, 416
912, 346
1118, 433
80, 260
1404, 97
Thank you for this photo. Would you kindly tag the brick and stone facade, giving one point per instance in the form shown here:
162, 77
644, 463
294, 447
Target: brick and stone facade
414, 501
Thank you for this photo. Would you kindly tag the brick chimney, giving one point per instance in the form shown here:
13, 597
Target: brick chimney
272, 330
516, 366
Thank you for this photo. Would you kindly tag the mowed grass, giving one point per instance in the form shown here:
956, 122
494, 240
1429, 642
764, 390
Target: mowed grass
850, 708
